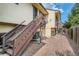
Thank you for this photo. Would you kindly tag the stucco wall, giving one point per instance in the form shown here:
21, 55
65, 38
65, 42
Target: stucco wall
48, 32
51, 23
51, 18
12, 13
6, 27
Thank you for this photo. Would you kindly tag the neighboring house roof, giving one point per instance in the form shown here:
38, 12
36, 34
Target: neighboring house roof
51, 9
41, 8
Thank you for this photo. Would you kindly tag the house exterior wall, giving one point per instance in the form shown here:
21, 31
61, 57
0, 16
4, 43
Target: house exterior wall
6, 27
51, 23
48, 32
12, 13
51, 18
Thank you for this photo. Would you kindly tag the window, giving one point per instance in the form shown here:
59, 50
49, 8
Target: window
53, 31
34, 12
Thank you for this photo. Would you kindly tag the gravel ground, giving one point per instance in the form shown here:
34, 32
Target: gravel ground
32, 48
59, 45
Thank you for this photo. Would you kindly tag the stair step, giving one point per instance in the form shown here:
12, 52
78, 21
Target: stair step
10, 45
9, 51
13, 37
0, 46
1, 50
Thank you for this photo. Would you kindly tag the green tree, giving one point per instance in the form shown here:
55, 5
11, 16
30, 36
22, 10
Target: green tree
73, 18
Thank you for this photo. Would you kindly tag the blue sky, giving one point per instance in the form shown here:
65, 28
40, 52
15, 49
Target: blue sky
65, 9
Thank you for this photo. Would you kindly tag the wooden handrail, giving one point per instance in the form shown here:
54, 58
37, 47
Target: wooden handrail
27, 34
12, 29
29, 30
33, 21
8, 35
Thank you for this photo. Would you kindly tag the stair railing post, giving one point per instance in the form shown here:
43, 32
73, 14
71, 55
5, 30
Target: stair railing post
3, 44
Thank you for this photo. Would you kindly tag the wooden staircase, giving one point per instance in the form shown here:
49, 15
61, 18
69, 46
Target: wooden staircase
15, 41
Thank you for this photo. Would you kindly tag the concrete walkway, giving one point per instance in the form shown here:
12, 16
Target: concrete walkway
58, 45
